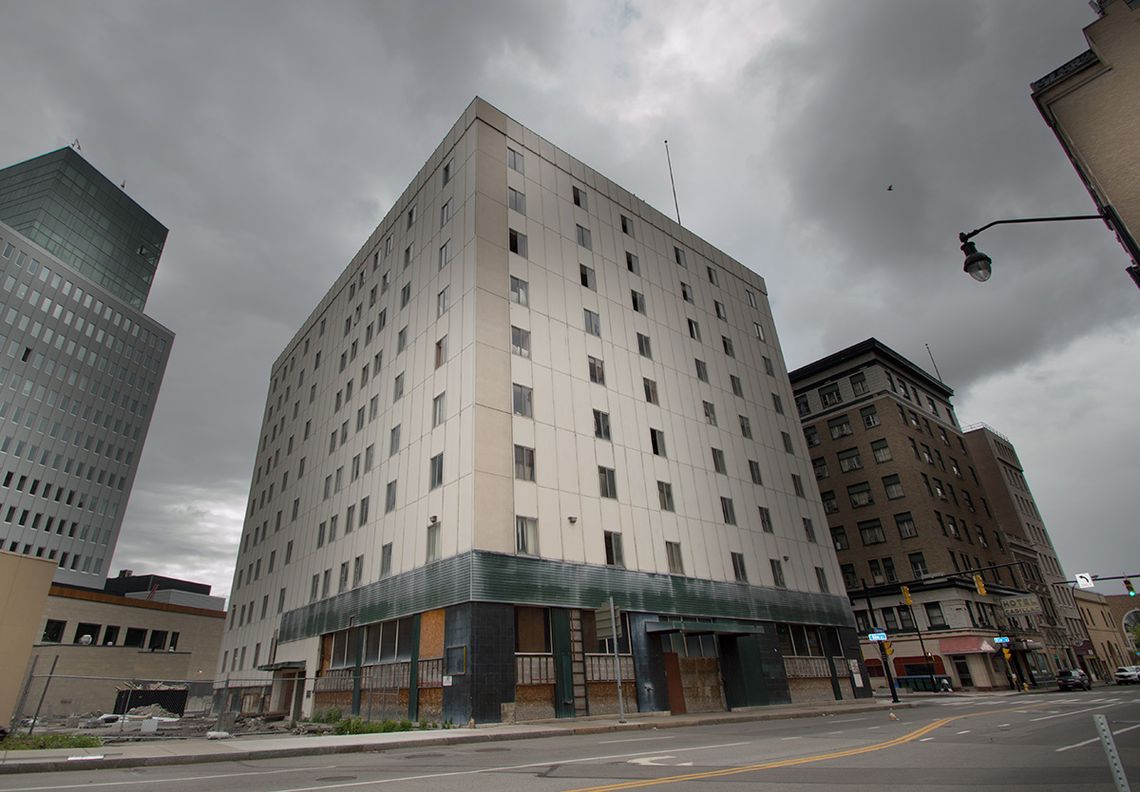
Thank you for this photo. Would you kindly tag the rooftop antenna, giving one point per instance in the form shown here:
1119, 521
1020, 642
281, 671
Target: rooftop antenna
936, 371
672, 183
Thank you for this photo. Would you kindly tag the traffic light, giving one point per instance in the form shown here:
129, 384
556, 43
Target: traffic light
1128, 587
1006, 654
906, 595
888, 647
980, 585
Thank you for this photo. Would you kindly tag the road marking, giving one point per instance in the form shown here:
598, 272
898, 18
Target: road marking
1003, 725
836, 732
964, 731
800, 737
874, 727
926, 739
637, 739
151, 781
849, 720
1072, 712
1097, 739
914, 735
651, 761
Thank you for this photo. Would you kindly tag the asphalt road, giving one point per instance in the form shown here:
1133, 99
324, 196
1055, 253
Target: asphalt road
1041, 743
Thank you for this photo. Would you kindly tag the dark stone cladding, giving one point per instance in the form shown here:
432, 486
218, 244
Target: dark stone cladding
480, 576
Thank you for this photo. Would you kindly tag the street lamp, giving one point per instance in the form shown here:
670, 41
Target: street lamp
979, 266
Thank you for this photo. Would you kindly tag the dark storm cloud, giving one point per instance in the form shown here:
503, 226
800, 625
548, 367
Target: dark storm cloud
272, 137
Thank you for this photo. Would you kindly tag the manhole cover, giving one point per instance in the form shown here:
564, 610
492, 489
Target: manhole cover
337, 778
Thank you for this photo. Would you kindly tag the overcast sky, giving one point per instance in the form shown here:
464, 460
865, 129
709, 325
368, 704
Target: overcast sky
271, 138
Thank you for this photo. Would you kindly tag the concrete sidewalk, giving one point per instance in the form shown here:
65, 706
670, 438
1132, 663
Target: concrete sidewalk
174, 751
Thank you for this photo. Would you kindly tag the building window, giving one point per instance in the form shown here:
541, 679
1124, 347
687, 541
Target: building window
839, 427
583, 236
766, 520
851, 581
526, 535
601, 425
626, 225
934, 616
893, 486
787, 438
644, 348
686, 292
821, 579
665, 496
737, 387
798, 485
438, 409
860, 494
858, 383
398, 387
679, 256
442, 301
394, 440
905, 523
777, 573
829, 395
802, 406
390, 497
587, 277
745, 426
632, 264
811, 435
514, 160
441, 351
849, 460
402, 339
579, 196
694, 330
524, 463
516, 200
435, 472
637, 299
870, 417
702, 369
710, 413
718, 461
444, 254
673, 556
754, 472
607, 482
738, 570
520, 291
433, 550
871, 532
727, 511
726, 342
819, 465
777, 403
881, 450
614, 555
839, 538
386, 560
657, 442
520, 341
522, 398
516, 242
593, 322
830, 504
597, 370
809, 530
650, 390
917, 565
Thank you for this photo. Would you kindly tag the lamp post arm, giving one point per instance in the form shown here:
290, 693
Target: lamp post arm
967, 237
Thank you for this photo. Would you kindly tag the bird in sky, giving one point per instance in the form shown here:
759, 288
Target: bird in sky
890, 188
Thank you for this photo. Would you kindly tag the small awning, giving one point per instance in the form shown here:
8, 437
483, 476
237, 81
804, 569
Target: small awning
965, 644
704, 628
284, 665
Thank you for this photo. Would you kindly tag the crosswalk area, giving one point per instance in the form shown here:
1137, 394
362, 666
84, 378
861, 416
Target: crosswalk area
1011, 698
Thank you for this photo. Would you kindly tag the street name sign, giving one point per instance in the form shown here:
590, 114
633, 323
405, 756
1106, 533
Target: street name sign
876, 636
1001, 639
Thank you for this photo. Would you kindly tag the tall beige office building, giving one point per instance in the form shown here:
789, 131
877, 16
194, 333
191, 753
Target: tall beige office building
530, 391
1092, 106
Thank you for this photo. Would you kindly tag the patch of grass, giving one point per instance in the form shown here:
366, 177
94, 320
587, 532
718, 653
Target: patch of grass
326, 716
361, 726
39, 742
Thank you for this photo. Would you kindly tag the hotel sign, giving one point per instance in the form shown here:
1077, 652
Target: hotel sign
1027, 605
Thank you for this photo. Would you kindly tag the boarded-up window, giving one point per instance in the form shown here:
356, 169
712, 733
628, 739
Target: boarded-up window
532, 630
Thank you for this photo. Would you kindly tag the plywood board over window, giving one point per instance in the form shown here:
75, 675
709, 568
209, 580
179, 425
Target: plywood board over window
431, 634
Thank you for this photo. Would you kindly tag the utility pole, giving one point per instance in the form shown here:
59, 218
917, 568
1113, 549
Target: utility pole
882, 654
928, 661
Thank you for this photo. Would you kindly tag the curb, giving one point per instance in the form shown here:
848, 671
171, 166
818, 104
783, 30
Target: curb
316, 749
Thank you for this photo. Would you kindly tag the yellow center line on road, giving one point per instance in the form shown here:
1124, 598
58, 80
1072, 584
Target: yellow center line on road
727, 771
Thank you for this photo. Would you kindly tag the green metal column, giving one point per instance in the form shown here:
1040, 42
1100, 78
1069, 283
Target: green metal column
414, 672
563, 668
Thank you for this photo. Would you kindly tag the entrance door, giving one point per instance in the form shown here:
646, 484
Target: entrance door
963, 669
673, 683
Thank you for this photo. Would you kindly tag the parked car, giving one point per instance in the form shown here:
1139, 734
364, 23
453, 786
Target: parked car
1127, 675
1073, 679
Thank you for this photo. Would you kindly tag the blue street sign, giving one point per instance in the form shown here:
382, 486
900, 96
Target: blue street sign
1001, 639
876, 636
